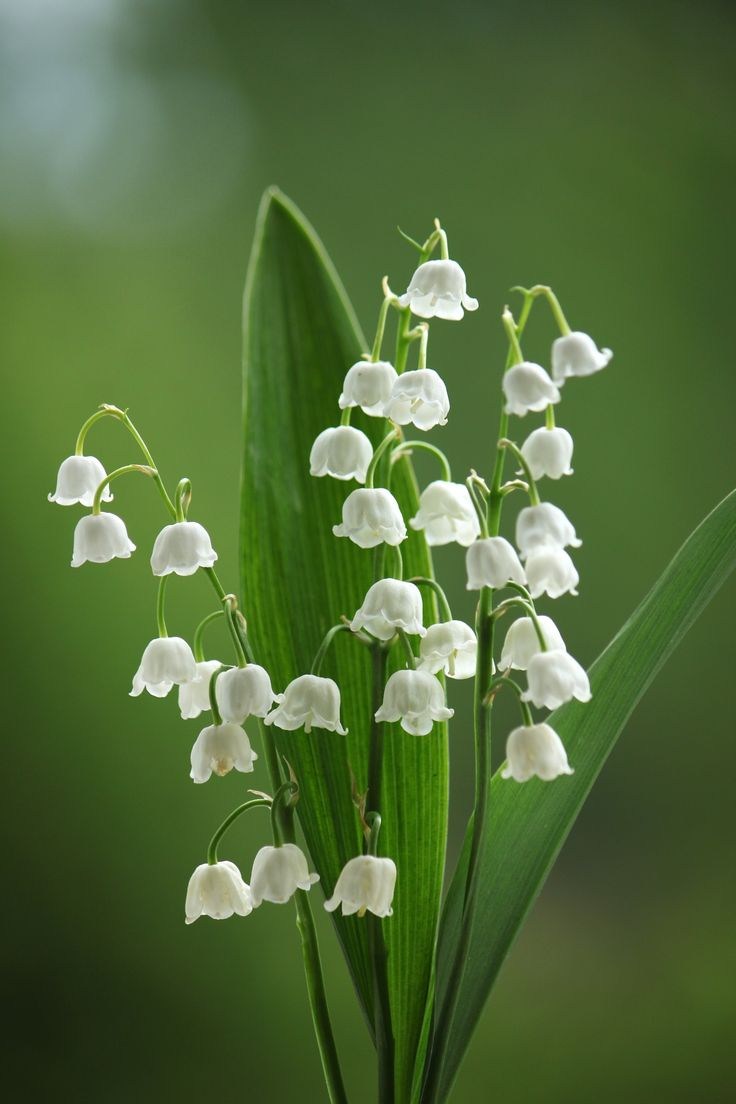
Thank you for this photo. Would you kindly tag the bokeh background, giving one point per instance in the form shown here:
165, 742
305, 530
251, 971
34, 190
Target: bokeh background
586, 145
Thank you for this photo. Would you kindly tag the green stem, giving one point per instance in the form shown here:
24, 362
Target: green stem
198, 632
122, 416
378, 453
422, 580
255, 803
403, 340
325, 646
345, 416
212, 691
528, 606
380, 329
142, 468
407, 447
423, 342
411, 659
479, 503
160, 606
104, 412
505, 443
182, 498
549, 417
503, 680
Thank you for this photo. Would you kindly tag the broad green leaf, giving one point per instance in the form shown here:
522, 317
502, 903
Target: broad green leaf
529, 823
298, 579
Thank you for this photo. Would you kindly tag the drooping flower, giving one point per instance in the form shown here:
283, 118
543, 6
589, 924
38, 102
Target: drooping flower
99, 538
244, 692
535, 750
278, 872
368, 385
342, 452
166, 661
438, 289
365, 884
390, 604
309, 701
446, 513
419, 397
219, 749
77, 480
548, 452
527, 387
415, 698
217, 890
493, 562
555, 678
576, 354
544, 526
194, 696
551, 571
181, 549
449, 646
371, 516
522, 642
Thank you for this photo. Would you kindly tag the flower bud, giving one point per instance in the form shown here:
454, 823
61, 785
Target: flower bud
390, 605
78, 479
278, 872
415, 698
548, 452
244, 692
555, 678
535, 750
544, 526
368, 385
449, 646
438, 289
576, 354
166, 661
419, 397
366, 884
220, 748
522, 642
99, 538
492, 562
551, 571
371, 516
309, 701
446, 513
181, 549
194, 696
528, 387
342, 452
217, 890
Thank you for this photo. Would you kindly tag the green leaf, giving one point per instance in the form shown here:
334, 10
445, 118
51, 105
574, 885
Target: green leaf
298, 579
529, 823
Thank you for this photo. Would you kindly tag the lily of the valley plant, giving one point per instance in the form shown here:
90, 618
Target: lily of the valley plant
347, 710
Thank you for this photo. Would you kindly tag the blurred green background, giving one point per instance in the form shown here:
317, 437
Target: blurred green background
585, 145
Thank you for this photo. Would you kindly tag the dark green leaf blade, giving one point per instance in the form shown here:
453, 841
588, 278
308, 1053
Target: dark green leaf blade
298, 579
529, 823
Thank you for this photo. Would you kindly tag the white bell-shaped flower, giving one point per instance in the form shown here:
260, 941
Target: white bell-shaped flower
551, 571
535, 750
278, 872
77, 480
99, 538
446, 513
366, 884
166, 661
415, 698
309, 701
522, 642
527, 387
548, 452
493, 562
181, 549
438, 289
390, 605
217, 890
449, 646
368, 385
544, 526
219, 749
194, 696
555, 678
342, 452
419, 397
576, 354
371, 516
244, 692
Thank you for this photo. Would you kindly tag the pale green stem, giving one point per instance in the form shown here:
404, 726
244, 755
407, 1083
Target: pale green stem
407, 447
549, 417
212, 691
432, 584
411, 659
254, 803
346, 415
378, 453
325, 646
142, 468
182, 499
423, 342
504, 680
160, 606
380, 329
198, 632
505, 443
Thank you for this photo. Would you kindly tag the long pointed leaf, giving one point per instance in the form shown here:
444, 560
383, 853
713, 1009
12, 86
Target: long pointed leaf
529, 823
298, 579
